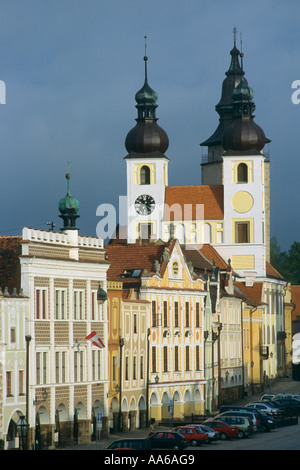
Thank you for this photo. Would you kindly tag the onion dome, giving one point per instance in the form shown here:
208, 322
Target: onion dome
243, 134
224, 107
68, 207
147, 138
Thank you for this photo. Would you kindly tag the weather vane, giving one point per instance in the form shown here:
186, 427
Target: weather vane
234, 34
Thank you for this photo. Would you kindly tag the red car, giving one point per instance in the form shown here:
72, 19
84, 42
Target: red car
194, 436
225, 431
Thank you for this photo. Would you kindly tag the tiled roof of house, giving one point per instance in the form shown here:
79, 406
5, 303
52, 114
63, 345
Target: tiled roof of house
253, 292
134, 256
181, 197
272, 272
211, 254
10, 250
296, 302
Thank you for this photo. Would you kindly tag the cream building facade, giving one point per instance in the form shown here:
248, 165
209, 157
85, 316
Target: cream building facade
61, 273
14, 309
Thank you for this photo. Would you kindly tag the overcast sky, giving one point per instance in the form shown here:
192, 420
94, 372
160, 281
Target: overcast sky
72, 68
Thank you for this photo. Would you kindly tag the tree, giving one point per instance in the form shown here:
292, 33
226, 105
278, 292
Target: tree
286, 263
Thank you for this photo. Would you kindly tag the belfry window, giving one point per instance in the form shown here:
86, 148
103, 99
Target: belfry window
242, 232
242, 173
145, 175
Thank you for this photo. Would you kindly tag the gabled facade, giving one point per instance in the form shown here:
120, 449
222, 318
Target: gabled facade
160, 275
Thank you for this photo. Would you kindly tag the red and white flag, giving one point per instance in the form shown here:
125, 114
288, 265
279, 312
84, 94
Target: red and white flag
95, 340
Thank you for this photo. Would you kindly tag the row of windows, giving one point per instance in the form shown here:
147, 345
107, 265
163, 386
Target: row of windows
61, 305
164, 318
178, 359
242, 174
62, 372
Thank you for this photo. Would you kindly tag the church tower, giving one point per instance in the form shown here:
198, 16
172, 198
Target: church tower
147, 168
236, 161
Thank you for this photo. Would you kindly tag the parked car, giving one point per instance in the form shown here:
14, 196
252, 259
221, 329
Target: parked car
290, 404
136, 444
267, 396
194, 435
225, 431
266, 407
243, 423
212, 434
167, 440
243, 412
266, 421
295, 396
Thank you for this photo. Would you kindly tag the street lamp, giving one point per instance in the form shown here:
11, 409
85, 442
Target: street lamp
22, 430
114, 394
101, 295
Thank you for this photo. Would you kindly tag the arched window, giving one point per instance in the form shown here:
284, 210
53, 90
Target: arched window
145, 175
242, 173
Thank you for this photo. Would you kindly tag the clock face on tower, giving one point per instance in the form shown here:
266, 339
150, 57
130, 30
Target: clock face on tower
144, 204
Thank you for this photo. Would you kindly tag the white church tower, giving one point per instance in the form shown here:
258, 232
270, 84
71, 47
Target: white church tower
236, 161
147, 169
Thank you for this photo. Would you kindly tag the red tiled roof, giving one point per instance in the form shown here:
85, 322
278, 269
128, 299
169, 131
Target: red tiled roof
10, 250
180, 196
211, 254
296, 302
272, 272
252, 292
131, 256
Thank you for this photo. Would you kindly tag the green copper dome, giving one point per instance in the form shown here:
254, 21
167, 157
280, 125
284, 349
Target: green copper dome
68, 207
146, 96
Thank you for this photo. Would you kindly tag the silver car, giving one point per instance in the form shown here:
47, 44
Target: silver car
267, 408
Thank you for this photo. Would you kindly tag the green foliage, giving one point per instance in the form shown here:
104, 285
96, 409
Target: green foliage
286, 263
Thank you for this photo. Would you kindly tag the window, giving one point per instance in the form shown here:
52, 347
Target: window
8, 384
97, 369
176, 315
242, 173
197, 315
60, 366
78, 366
187, 314
242, 232
145, 175
78, 305
41, 367
96, 309
12, 335
145, 231
165, 314
134, 368
41, 304
187, 358
154, 313
176, 358
197, 357
165, 358
135, 323
142, 367
60, 304
21, 382
126, 368
153, 350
